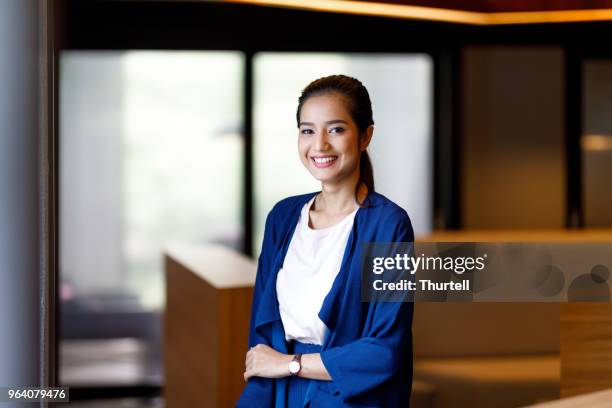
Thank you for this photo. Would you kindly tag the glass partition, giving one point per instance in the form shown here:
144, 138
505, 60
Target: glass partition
151, 152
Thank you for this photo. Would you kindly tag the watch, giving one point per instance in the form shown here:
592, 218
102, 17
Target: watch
295, 366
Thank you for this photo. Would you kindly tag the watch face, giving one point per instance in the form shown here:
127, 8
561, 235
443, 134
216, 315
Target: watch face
294, 367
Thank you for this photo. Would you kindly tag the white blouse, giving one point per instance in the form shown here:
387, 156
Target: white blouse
311, 264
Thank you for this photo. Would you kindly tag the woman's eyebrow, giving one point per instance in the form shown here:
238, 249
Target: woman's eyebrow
329, 122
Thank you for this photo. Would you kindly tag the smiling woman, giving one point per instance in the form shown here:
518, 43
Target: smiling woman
312, 341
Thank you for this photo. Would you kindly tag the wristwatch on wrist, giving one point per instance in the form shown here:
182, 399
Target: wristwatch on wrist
295, 366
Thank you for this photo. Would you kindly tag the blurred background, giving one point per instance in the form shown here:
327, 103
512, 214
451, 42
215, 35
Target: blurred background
176, 125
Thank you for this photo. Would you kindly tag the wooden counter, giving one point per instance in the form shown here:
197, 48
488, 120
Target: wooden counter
600, 399
585, 328
208, 305
574, 235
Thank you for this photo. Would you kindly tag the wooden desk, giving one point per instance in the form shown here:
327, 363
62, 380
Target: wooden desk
208, 306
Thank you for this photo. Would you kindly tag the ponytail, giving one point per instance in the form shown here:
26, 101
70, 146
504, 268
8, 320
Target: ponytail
366, 174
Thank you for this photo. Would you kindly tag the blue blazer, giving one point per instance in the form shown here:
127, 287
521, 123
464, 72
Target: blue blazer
368, 347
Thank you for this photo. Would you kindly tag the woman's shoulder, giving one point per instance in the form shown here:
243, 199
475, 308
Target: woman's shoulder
290, 204
381, 206
379, 209
279, 219
386, 219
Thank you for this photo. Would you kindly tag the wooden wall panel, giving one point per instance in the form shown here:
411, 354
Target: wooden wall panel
586, 348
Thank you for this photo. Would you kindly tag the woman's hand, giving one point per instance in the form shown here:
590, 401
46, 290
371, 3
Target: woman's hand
264, 361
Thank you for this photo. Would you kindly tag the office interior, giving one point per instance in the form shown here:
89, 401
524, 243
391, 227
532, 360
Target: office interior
171, 133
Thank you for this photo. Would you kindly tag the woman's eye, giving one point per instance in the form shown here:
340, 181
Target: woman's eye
307, 131
336, 130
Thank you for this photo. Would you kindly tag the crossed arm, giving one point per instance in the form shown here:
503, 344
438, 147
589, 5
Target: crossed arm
264, 361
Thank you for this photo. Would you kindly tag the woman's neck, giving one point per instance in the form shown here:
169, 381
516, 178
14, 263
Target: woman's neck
336, 199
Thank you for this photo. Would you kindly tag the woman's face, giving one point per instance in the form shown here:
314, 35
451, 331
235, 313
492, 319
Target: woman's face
328, 142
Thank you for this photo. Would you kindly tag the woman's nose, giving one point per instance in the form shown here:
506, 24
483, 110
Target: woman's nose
321, 141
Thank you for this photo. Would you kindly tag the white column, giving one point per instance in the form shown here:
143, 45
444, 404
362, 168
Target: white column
20, 130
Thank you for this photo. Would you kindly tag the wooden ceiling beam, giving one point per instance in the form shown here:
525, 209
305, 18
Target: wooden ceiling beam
416, 12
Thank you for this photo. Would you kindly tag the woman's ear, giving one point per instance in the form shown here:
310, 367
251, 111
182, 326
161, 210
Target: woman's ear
367, 137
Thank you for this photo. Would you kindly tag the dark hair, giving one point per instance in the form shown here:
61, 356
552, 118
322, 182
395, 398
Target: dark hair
359, 106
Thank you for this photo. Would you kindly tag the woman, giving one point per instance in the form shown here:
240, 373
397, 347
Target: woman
312, 341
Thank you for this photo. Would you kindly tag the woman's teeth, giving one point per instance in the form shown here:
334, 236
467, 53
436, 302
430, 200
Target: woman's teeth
323, 160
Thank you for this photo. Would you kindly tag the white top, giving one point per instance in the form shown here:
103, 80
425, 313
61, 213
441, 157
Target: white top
311, 264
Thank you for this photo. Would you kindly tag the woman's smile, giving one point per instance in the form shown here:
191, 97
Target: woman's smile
324, 161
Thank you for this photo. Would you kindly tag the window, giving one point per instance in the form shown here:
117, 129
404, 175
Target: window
400, 86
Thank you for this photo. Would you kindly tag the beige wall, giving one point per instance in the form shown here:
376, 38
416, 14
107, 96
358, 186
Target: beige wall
597, 143
512, 137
